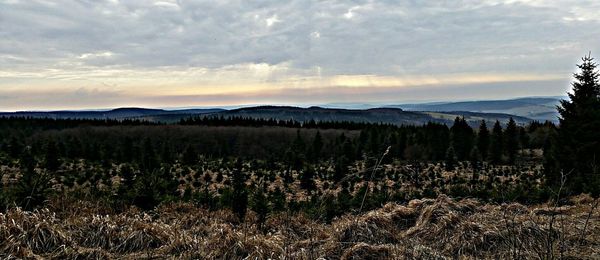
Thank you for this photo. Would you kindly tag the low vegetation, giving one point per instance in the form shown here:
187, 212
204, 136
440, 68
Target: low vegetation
440, 228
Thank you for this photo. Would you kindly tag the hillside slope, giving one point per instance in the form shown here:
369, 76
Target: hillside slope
386, 115
543, 108
394, 116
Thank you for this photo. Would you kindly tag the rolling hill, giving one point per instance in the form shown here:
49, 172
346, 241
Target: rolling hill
374, 115
119, 113
388, 115
536, 108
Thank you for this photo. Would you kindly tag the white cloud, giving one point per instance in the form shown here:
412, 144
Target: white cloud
167, 4
272, 20
104, 54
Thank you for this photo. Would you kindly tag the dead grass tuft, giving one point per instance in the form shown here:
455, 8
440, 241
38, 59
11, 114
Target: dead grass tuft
366, 251
442, 228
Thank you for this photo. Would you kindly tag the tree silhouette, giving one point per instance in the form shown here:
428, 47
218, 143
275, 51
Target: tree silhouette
259, 203
578, 145
51, 161
483, 140
149, 160
307, 181
33, 188
15, 147
461, 136
239, 195
450, 158
316, 147
512, 140
496, 144
190, 156
340, 168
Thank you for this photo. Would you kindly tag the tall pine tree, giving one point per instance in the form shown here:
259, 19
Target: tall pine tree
483, 140
496, 144
51, 161
578, 144
512, 140
316, 147
461, 136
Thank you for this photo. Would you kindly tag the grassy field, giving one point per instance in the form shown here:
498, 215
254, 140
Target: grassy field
440, 228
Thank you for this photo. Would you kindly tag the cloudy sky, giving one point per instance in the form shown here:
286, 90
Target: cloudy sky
112, 53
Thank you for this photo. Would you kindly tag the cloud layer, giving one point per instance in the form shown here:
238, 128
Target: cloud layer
163, 53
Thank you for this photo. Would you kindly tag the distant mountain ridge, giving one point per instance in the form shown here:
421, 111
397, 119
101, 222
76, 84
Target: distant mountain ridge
386, 115
523, 110
536, 108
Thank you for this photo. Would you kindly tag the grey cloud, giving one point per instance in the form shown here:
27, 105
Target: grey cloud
82, 97
381, 37
387, 38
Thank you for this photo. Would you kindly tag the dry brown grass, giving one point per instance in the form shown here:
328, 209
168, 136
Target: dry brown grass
439, 228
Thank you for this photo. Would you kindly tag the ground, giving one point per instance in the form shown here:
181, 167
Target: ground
422, 228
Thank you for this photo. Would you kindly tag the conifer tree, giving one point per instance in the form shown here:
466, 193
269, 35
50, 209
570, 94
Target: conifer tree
189, 157
512, 140
450, 158
33, 188
51, 161
461, 136
127, 150
277, 199
259, 204
296, 155
15, 147
307, 181
496, 144
126, 191
475, 158
578, 144
341, 168
316, 147
239, 196
153, 187
298, 146
483, 140
166, 154
149, 160
127, 175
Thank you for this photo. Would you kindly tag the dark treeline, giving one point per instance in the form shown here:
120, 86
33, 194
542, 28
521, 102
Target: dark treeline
221, 120
30, 124
154, 162
125, 141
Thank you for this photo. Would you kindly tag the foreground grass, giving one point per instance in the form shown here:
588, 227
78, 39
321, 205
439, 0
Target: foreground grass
427, 228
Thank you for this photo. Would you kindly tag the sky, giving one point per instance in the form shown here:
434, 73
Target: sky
89, 54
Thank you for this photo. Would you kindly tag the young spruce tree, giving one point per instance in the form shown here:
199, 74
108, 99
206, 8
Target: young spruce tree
239, 195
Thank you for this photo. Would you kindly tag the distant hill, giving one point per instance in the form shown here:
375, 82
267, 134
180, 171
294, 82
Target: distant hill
374, 115
119, 113
541, 109
411, 114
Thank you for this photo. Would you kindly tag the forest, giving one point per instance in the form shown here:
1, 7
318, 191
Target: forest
97, 157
